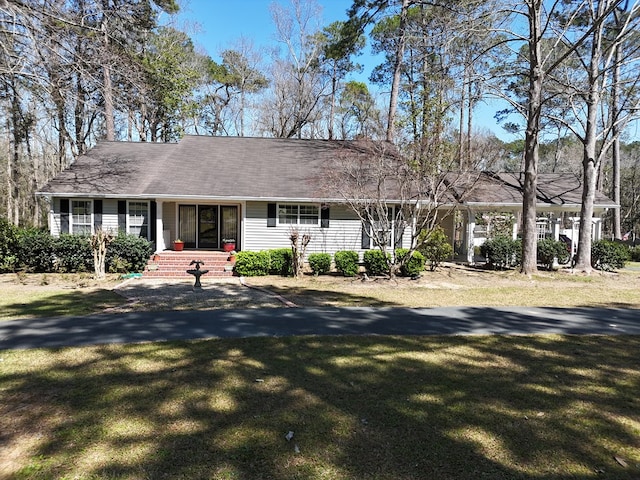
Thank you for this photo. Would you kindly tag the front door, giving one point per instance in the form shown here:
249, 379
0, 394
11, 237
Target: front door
229, 223
203, 226
208, 226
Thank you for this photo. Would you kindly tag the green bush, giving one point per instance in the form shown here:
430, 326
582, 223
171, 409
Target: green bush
252, 264
347, 262
608, 255
8, 246
413, 266
73, 253
376, 262
281, 262
435, 247
634, 253
36, 250
320, 263
502, 252
548, 250
127, 253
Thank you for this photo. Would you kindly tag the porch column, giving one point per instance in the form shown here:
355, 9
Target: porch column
160, 245
471, 225
555, 231
555, 228
597, 228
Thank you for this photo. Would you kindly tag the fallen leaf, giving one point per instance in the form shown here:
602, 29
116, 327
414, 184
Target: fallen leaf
289, 436
621, 461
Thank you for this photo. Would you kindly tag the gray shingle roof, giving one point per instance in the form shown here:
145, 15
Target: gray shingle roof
254, 168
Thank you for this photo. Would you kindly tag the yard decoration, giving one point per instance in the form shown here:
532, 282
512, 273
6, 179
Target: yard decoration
178, 245
228, 244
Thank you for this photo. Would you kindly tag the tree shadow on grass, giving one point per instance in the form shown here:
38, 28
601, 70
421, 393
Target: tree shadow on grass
74, 302
360, 408
317, 297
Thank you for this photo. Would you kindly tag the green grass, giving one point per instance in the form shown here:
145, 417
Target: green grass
553, 407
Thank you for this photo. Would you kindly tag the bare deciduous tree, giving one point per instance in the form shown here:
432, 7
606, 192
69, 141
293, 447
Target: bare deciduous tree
398, 198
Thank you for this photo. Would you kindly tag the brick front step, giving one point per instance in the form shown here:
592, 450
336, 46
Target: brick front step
176, 264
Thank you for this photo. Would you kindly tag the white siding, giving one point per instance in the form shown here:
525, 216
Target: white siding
54, 217
110, 215
344, 232
169, 220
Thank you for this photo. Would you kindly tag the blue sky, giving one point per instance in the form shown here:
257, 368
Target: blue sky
221, 23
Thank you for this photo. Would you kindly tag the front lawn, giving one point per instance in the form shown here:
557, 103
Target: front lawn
44, 295
52, 295
455, 285
398, 408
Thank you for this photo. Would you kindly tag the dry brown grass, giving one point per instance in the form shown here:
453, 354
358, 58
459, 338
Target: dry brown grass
461, 286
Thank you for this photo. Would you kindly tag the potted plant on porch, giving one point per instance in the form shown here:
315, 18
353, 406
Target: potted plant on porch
178, 245
228, 244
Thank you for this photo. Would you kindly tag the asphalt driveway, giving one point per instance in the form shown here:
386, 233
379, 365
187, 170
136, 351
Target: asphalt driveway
181, 325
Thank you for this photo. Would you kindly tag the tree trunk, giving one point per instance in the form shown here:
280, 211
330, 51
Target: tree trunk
531, 155
590, 161
109, 122
397, 70
615, 160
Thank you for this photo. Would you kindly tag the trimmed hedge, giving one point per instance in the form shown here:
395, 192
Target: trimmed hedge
253, 264
73, 253
127, 253
609, 255
320, 263
502, 252
412, 267
549, 249
281, 262
36, 251
376, 262
347, 262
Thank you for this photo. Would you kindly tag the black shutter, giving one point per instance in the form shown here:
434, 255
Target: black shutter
122, 216
324, 216
152, 221
271, 215
366, 236
97, 215
64, 215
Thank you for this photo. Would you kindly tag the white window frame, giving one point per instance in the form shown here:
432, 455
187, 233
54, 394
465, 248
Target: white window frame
299, 215
130, 225
72, 215
375, 227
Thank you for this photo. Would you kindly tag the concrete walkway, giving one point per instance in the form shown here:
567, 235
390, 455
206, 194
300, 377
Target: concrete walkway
175, 325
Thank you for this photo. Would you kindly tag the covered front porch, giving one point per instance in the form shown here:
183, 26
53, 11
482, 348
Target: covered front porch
200, 225
469, 228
